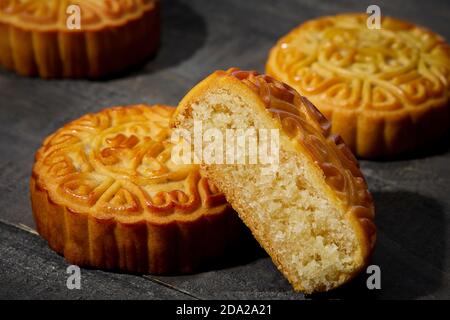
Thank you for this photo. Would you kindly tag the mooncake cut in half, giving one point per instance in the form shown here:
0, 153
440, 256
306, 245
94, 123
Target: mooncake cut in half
313, 214
106, 194
77, 38
386, 91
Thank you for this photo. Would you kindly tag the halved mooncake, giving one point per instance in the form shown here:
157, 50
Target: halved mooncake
313, 214
77, 38
386, 91
106, 194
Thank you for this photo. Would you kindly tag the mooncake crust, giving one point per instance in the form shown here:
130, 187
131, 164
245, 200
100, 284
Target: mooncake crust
311, 134
105, 194
385, 91
304, 123
114, 36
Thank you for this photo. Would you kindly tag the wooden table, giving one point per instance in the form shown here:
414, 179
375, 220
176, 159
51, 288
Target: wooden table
412, 196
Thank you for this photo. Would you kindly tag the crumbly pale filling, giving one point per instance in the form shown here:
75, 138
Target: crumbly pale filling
290, 210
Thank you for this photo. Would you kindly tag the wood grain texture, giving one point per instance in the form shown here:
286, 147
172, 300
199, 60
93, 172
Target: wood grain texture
411, 195
30, 270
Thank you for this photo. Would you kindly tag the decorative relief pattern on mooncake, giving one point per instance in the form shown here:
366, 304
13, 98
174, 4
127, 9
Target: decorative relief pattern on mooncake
118, 162
51, 14
43, 37
105, 193
347, 70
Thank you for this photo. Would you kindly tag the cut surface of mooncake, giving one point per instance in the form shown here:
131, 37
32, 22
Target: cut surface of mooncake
386, 91
313, 214
106, 194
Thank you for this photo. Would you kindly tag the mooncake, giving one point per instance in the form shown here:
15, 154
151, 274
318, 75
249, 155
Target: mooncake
313, 213
385, 91
77, 38
106, 194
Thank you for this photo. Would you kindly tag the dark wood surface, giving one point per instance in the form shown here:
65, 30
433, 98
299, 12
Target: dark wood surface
412, 195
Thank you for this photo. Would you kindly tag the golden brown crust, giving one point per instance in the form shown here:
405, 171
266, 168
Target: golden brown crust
303, 123
105, 193
310, 132
114, 35
386, 91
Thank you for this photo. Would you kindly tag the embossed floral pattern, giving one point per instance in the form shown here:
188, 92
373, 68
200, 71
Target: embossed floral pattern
339, 62
52, 13
118, 162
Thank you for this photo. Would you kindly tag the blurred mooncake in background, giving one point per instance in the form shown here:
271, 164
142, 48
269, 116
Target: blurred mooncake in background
46, 38
386, 90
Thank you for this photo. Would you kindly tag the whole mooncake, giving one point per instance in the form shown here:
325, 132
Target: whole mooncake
312, 212
386, 91
106, 194
77, 38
